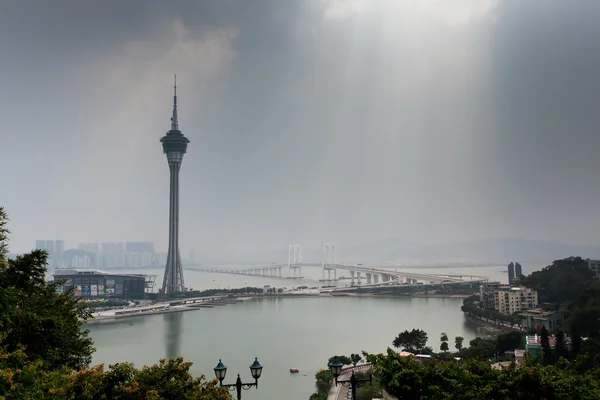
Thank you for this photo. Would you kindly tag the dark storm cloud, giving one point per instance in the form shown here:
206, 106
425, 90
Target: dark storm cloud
309, 120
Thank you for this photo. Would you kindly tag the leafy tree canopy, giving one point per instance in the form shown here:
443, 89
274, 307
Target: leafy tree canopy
476, 380
166, 380
412, 341
585, 311
355, 358
46, 322
562, 281
345, 360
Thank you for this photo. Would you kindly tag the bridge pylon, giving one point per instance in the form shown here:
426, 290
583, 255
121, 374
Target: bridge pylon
328, 260
295, 260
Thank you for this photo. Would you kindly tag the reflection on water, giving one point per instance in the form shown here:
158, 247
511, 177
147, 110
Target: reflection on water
283, 333
173, 323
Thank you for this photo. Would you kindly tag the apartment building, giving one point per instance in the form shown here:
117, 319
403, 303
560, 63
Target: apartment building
510, 300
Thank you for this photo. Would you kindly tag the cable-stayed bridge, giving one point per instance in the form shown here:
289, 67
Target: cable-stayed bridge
362, 274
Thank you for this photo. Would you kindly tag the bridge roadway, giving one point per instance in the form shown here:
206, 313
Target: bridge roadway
387, 274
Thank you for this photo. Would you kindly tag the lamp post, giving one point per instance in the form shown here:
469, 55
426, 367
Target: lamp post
255, 370
354, 383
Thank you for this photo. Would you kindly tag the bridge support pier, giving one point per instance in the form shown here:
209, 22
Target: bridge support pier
369, 279
376, 279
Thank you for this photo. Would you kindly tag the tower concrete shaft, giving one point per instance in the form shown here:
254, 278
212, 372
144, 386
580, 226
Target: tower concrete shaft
174, 147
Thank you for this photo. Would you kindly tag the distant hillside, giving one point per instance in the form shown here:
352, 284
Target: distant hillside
490, 251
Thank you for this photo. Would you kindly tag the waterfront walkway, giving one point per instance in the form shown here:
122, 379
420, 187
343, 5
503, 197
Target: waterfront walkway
340, 392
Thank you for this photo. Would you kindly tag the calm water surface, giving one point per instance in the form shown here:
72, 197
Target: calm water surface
282, 332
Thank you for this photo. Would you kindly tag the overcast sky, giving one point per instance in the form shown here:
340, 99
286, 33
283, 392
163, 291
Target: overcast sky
317, 120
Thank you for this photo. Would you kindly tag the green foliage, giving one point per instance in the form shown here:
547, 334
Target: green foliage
510, 341
47, 323
345, 360
444, 339
323, 382
412, 341
585, 310
482, 348
561, 346
476, 380
458, 342
167, 380
355, 358
560, 282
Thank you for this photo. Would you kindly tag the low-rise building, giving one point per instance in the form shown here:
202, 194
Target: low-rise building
537, 318
93, 283
510, 300
594, 266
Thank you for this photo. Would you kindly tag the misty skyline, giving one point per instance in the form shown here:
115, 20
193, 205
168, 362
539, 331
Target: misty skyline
345, 121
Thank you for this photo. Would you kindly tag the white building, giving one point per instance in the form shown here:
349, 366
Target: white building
594, 265
510, 300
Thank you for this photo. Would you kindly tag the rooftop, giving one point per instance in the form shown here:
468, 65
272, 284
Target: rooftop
74, 271
538, 312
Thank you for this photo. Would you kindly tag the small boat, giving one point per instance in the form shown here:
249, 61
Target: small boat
294, 370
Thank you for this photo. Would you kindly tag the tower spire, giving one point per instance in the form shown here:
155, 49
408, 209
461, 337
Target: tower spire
174, 121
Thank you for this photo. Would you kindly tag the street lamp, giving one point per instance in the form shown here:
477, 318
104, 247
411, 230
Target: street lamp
255, 370
354, 383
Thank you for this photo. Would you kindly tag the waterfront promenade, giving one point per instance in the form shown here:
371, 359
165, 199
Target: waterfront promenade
179, 305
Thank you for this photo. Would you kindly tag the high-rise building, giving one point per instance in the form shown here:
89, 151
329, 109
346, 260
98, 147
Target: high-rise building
59, 248
174, 146
139, 247
54, 248
518, 271
91, 247
511, 273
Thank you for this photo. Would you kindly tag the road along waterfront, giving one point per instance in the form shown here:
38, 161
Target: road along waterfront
284, 333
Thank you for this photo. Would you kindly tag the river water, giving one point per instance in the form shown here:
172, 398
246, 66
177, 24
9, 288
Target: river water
284, 333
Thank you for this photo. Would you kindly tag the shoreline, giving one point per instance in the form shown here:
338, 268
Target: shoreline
489, 327
99, 319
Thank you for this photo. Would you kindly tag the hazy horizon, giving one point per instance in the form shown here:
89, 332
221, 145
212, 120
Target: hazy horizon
344, 121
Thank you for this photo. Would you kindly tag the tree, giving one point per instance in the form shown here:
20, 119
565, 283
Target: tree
355, 358
482, 348
509, 341
458, 342
46, 322
343, 359
323, 379
545, 342
166, 380
575, 343
444, 340
560, 282
411, 341
406, 378
585, 310
561, 347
